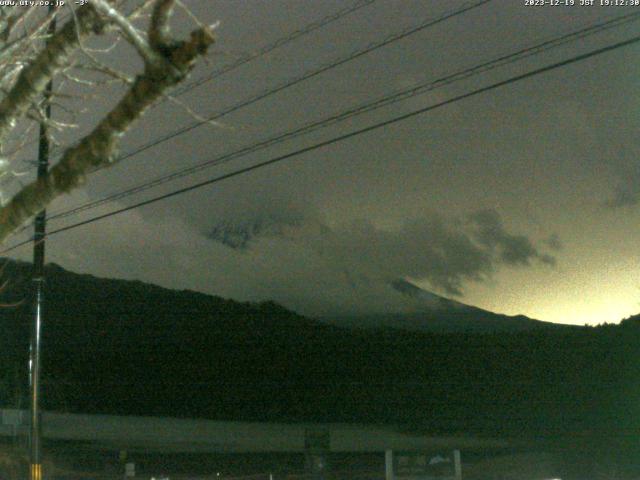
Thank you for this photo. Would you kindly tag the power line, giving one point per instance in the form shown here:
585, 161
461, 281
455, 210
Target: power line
394, 37
275, 45
430, 22
312, 73
266, 49
363, 108
349, 135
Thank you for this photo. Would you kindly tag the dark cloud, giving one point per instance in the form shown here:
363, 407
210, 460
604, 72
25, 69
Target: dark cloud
554, 242
445, 253
239, 235
515, 250
627, 193
426, 249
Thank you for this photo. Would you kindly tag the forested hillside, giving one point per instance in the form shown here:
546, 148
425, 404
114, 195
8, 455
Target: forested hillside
121, 347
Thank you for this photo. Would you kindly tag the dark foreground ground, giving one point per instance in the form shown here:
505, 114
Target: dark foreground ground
73, 461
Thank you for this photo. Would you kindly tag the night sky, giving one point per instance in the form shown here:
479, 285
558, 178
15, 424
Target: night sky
521, 200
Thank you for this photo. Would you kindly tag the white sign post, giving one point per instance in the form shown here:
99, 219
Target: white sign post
130, 469
457, 462
388, 465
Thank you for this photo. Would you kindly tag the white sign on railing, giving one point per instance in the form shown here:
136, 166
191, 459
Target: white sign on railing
130, 469
416, 465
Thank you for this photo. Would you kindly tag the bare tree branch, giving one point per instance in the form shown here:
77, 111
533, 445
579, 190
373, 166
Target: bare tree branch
127, 28
159, 35
33, 79
99, 148
139, 10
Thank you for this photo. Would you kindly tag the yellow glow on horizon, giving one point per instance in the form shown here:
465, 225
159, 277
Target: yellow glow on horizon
578, 297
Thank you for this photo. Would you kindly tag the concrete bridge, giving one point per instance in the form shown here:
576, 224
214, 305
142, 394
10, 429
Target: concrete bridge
103, 440
177, 435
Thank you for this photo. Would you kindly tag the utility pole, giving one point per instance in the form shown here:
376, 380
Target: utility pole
35, 443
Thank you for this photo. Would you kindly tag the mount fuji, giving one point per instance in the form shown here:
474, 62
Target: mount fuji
432, 313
